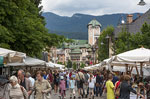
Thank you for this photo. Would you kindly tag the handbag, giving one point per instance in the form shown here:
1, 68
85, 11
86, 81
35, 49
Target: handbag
117, 91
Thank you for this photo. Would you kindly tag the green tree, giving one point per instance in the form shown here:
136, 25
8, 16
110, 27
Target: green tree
122, 43
103, 43
128, 41
21, 20
69, 64
74, 66
22, 28
82, 65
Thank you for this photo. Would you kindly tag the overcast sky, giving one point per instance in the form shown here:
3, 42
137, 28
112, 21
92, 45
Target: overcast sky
93, 7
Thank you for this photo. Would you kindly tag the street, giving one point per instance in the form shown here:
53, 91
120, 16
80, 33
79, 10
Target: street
68, 96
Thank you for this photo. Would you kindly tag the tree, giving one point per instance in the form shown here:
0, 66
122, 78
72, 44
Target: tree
69, 64
82, 65
103, 48
22, 28
74, 66
128, 41
122, 43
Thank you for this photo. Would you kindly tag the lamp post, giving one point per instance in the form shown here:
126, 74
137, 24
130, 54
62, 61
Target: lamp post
142, 3
93, 50
107, 37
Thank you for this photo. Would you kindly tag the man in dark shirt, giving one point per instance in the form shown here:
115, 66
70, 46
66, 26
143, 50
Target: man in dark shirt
115, 79
99, 83
25, 82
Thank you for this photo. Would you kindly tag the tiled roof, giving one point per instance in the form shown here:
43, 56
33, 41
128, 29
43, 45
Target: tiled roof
135, 26
75, 51
94, 23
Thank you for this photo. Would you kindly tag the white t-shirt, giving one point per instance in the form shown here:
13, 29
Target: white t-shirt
92, 83
32, 80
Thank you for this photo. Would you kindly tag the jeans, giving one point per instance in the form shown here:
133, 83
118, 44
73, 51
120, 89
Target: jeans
99, 90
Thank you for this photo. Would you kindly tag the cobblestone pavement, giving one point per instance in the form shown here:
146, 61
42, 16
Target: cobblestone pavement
56, 96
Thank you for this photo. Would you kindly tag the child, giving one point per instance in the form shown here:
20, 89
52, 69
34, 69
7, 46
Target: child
91, 82
62, 87
72, 87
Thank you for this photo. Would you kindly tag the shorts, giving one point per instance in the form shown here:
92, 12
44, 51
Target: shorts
79, 85
91, 90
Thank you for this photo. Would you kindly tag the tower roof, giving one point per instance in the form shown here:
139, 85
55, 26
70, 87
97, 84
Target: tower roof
94, 23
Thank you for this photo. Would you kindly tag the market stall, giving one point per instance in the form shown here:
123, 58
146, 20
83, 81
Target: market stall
55, 66
131, 59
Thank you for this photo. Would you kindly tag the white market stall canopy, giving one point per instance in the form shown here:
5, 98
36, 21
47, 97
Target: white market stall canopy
10, 53
136, 55
134, 58
28, 61
94, 67
54, 65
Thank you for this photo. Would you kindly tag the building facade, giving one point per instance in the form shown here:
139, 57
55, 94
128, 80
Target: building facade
94, 31
80, 51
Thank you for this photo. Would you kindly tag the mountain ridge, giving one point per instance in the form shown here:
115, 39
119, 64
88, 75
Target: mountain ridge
75, 26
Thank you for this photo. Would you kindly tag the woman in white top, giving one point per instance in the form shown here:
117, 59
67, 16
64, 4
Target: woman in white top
16, 91
91, 82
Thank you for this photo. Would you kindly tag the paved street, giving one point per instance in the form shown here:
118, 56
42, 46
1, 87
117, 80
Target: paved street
68, 96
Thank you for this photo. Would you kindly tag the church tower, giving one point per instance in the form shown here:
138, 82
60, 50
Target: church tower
94, 31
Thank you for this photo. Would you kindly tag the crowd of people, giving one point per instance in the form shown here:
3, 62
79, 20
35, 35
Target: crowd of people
79, 83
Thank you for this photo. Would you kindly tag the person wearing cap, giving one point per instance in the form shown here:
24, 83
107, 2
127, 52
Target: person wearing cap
16, 91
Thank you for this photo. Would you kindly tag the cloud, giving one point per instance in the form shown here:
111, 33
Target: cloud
93, 7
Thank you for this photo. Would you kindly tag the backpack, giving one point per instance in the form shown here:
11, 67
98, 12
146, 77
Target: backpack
117, 91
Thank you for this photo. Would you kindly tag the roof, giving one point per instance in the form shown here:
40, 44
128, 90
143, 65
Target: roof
28, 62
94, 23
77, 44
6, 52
75, 51
135, 26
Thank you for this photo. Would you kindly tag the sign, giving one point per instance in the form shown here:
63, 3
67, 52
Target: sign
1, 61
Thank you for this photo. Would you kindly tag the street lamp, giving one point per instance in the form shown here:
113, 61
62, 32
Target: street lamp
142, 3
107, 37
93, 50
102, 43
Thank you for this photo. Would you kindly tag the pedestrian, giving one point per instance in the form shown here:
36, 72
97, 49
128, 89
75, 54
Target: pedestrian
50, 78
41, 87
72, 87
126, 88
16, 91
117, 86
44, 75
110, 87
99, 84
28, 75
62, 87
115, 78
86, 86
80, 81
56, 81
25, 82
91, 82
